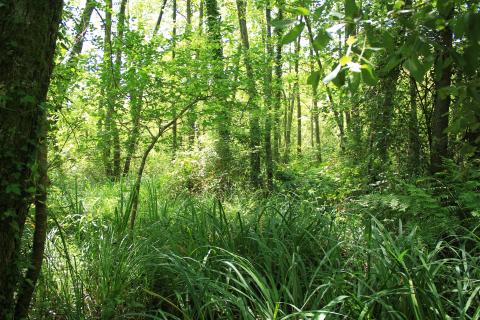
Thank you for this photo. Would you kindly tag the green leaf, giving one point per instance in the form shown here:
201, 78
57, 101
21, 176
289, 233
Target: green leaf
332, 75
314, 79
354, 81
387, 41
322, 39
415, 68
339, 80
281, 24
293, 33
398, 4
299, 10
351, 8
445, 7
368, 76
13, 188
393, 62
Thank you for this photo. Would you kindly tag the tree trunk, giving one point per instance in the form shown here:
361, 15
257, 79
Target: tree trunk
413, 135
136, 102
277, 87
28, 32
288, 119
316, 120
118, 96
132, 207
107, 101
160, 16
253, 98
338, 117
268, 101
223, 114
297, 94
174, 111
443, 78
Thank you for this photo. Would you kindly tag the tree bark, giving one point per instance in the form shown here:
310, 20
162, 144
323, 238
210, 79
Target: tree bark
253, 98
298, 101
413, 132
337, 116
136, 102
316, 119
222, 118
160, 16
28, 32
277, 87
269, 166
443, 79
174, 111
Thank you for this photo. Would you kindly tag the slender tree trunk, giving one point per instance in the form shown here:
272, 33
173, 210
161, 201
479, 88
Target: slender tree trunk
27, 286
288, 119
132, 207
107, 101
383, 117
337, 116
269, 168
297, 94
316, 120
277, 87
136, 102
192, 116
253, 98
174, 111
223, 113
118, 95
413, 135
69, 66
160, 16
200, 16
28, 32
443, 79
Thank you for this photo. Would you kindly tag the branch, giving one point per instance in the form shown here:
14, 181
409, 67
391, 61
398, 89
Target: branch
181, 113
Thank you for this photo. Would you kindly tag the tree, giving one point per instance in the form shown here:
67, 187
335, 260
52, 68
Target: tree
28, 35
253, 97
268, 98
443, 78
222, 112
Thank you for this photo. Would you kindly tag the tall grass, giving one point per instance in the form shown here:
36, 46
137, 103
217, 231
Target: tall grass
278, 258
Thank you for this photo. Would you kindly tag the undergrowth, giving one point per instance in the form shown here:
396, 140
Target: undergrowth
322, 247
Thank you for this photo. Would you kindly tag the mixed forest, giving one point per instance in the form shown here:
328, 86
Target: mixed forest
240, 159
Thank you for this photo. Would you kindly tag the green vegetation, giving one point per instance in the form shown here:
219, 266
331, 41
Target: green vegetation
239, 159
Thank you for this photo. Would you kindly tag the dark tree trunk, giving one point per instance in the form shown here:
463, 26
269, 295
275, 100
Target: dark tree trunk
28, 32
160, 16
443, 78
413, 134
